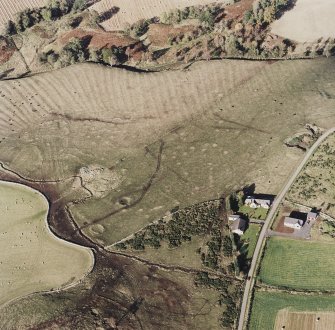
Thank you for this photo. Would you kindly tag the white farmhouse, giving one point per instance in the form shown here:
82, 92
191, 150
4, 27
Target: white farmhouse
257, 202
293, 223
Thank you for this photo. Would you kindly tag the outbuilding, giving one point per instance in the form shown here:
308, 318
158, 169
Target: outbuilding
238, 226
311, 216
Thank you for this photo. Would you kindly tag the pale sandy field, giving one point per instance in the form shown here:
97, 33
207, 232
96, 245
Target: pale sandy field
305, 320
308, 21
131, 11
32, 259
8, 8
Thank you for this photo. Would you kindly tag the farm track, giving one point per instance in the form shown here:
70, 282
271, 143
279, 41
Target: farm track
89, 119
270, 288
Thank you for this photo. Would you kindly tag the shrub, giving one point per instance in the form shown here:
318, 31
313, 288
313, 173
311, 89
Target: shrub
80, 5
140, 28
10, 28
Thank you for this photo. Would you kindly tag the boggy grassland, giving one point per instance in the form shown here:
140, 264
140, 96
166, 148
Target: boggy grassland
114, 150
177, 138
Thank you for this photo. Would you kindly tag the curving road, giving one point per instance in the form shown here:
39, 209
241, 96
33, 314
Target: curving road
259, 247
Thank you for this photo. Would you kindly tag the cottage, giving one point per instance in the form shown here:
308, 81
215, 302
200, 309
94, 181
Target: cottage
257, 202
293, 223
238, 226
233, 217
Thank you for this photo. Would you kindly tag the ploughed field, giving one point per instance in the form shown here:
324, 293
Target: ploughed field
296, 264
305, 320
32, 259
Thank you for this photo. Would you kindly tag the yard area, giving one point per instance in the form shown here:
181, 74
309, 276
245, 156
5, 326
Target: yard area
299, 264
259, 213
267, 304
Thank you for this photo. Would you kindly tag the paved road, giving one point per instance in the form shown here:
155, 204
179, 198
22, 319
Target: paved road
259, 247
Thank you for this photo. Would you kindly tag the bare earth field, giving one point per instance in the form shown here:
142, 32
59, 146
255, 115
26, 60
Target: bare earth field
307, 21
130, 12
305, 320
32, 259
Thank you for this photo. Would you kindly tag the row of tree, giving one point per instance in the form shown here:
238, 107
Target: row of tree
76, 51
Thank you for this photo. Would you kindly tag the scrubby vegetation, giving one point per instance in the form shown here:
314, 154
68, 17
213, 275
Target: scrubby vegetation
234, 37
230, 295
207, 15
181, 226
54, 10
328, 228
266, 11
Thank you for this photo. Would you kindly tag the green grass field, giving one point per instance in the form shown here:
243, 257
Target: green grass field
267, 304
250, 237
259, 213
299, 264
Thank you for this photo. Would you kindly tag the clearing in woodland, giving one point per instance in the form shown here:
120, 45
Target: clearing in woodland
32, 259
